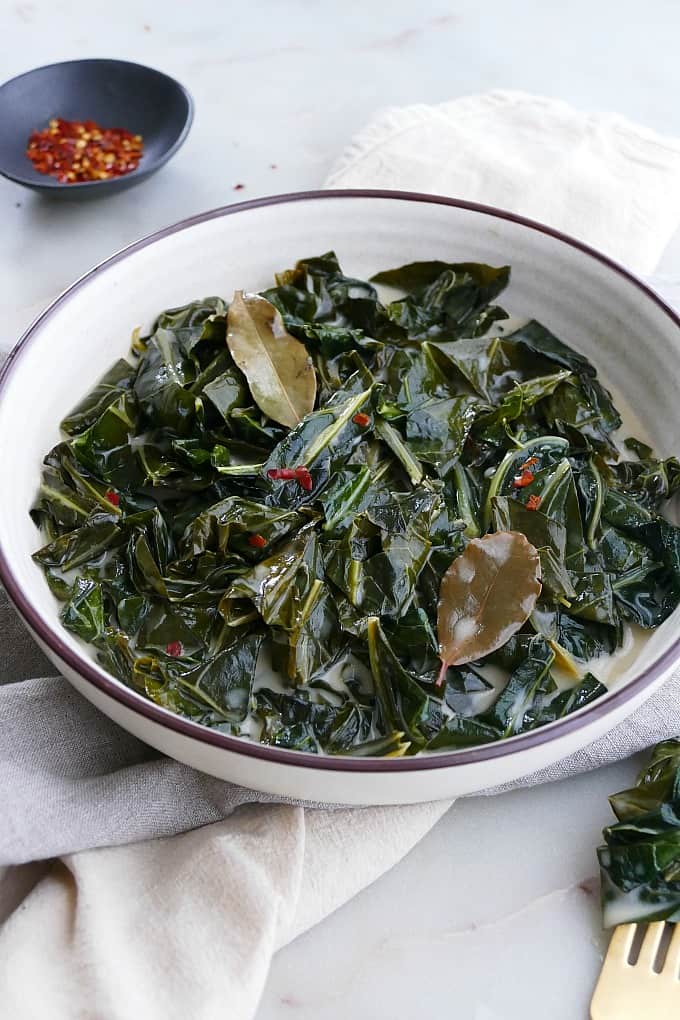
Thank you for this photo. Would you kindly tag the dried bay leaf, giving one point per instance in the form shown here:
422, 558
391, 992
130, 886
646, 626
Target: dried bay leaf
486, 595
279, 371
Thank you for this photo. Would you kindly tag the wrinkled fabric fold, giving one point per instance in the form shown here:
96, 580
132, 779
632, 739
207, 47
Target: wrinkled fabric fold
597, 176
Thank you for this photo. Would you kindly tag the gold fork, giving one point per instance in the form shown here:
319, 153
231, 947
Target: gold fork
649, 987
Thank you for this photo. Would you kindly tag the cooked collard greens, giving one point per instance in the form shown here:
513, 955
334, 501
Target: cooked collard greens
337, 523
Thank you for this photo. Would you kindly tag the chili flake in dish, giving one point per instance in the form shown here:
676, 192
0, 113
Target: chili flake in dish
76, 151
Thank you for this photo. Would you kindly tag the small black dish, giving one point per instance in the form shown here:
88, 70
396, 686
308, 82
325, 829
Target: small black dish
114, 93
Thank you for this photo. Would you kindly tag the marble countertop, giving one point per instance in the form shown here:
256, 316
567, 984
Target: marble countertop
494, 915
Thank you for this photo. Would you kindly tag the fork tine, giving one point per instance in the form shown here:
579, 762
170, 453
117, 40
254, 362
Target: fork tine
672, 965
620, 943
650, 945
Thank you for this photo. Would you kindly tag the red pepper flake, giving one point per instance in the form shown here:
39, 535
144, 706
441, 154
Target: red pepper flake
74, 151
281, 474
529, 463
298, 474
526, 478
303, 476
112, 496
174, 648
239, 187
257, 541
361, 419
534, 502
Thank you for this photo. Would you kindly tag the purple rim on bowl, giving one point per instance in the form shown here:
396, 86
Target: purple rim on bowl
115, 689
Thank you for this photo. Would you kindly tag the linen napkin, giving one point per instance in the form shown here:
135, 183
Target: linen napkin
186, 924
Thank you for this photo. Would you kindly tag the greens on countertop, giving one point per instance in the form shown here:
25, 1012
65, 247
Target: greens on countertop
640, 858
335, 524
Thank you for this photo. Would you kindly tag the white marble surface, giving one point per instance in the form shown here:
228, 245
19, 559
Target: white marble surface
493, 916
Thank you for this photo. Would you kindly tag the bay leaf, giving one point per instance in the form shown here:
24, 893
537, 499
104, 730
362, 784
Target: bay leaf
279, 371
486, 595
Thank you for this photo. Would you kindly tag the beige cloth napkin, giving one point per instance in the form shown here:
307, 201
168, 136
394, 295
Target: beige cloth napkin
598, 177
185, 926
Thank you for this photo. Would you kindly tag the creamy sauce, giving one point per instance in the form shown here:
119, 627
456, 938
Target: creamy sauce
627, 905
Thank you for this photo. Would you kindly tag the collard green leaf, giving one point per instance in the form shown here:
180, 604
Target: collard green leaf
81, 545
378, 561
403, 704
346, 496
588, 689
227, 392
648, 479
580, 638
163, 374
315, 641
396, 445
491, 366
547, 535
464, 690
544, 453
230, 526
640, 857
117, 380
459, 732
323, 443
442, 297
84, 612
413, 639
330, 429
278, 586
225, 683
305, 721
104, 448
278, 369
198, 325
520, 703
591, 489
486, 595
58, 507
594, 400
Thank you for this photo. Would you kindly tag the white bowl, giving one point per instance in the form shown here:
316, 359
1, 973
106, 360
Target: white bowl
620, 324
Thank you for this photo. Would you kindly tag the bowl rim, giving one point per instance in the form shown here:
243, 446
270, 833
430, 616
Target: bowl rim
49, 183
115, 689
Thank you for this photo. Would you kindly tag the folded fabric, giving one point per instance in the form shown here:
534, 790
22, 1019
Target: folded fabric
185, 925
599, 177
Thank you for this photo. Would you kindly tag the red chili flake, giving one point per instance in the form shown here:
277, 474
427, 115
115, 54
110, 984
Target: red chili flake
74, 151
112, 496
299, 474
526, 478
303, 476
174, 648
257, 541
361, 419
281, 474
239, 187
534, 502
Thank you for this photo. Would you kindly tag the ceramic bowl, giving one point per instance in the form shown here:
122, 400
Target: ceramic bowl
592, 303
114, 93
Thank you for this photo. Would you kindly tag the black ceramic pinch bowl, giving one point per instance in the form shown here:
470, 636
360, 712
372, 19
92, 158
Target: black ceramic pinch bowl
115, 94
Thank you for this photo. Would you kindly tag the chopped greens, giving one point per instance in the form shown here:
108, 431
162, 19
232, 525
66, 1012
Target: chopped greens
341, 525
640, 858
